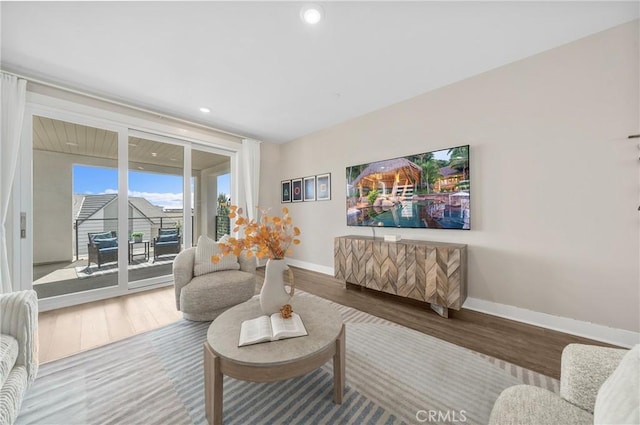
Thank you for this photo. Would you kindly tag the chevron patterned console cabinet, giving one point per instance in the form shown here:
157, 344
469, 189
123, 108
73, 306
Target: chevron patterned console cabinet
432, 272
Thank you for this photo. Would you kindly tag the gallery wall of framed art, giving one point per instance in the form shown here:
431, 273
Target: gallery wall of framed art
306, 189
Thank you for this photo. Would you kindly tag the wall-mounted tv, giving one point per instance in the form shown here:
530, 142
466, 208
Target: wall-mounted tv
426, 190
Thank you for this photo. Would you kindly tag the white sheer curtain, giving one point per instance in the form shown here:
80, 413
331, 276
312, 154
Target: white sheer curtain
11, 113
251, 174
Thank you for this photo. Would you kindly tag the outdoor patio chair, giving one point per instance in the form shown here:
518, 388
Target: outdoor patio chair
167, 242
102, 248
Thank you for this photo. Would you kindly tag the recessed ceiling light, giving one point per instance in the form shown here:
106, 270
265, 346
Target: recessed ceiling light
140, 168
133, 145
311, 13
72, 144
154, 154
205, 110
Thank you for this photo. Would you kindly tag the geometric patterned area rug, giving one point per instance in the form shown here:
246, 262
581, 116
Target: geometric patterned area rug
84, 272
393, 373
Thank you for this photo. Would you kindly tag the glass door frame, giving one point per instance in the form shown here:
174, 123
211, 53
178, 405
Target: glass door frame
186, 146
121, 124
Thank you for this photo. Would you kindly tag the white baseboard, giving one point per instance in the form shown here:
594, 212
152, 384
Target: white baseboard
621, 337
310, 266
615, 336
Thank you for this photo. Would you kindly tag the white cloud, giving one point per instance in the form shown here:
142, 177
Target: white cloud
165, 200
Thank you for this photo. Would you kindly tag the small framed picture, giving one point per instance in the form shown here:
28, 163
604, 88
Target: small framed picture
323, 187
285, 193
296, 190
309, 193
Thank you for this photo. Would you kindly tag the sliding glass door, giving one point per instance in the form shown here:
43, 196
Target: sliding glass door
109, 207
155, 232
75, 214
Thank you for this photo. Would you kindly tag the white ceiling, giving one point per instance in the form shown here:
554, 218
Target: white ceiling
263, 72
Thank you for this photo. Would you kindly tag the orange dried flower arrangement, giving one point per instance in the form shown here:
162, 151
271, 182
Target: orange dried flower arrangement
270, 237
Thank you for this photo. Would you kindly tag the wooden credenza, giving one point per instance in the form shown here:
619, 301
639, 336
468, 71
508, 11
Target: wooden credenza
432, 272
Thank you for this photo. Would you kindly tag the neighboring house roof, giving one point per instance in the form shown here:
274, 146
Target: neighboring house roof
152, 212
85, 206
92, 204
147, 209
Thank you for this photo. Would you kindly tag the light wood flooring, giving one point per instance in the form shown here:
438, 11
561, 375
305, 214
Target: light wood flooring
70, 330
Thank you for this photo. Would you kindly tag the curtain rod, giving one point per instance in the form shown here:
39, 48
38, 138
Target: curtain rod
115, 102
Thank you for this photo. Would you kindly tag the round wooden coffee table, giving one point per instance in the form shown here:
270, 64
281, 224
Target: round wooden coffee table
276, 360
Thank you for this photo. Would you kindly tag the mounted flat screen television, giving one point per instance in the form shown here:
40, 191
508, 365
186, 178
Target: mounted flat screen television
427, 190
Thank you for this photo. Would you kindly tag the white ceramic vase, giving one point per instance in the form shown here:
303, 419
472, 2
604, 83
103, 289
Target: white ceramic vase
273, 294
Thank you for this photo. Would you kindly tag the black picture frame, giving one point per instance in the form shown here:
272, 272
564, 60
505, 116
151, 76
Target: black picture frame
285, 191
296, 190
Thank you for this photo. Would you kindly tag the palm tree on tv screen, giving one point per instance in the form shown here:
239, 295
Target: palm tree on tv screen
429, 169
460, 160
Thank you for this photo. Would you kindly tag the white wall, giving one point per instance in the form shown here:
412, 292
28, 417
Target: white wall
52, 208
53, 204
554, 178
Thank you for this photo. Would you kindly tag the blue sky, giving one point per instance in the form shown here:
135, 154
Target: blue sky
443, 154
159, 189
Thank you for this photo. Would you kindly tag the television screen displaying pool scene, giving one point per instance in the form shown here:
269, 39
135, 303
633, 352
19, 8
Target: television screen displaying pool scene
426, 190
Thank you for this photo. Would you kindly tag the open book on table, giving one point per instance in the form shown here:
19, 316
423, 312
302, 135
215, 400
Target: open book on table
270, 328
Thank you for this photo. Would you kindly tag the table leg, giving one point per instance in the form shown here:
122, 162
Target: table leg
339, 367
212, 386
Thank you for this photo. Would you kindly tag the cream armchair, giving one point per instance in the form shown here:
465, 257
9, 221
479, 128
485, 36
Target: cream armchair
597, 385
18, 350
204, 290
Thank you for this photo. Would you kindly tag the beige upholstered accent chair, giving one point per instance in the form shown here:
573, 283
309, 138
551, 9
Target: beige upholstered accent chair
597, 385
204, 289
18, 350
